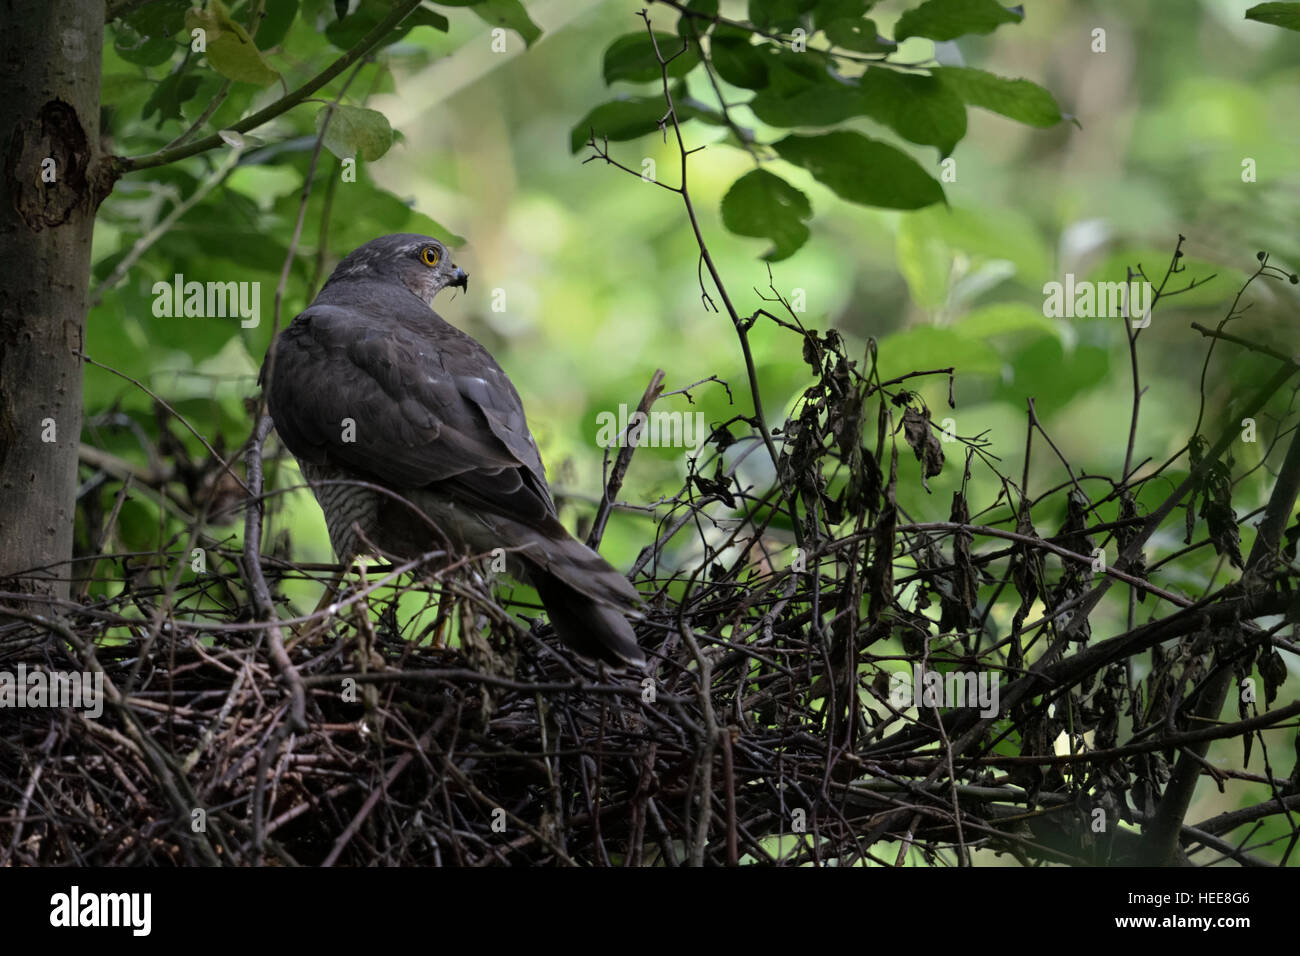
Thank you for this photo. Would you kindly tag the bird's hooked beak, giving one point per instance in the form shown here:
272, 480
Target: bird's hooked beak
460, 278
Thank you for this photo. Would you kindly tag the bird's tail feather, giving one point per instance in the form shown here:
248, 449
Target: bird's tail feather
591, 627
582, 569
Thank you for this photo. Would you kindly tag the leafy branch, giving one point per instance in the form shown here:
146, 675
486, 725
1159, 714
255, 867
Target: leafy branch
400, 12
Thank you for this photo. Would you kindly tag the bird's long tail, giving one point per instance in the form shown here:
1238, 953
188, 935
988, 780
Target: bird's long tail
591, 628
587, 600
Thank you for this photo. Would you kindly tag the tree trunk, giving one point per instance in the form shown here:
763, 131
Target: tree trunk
54, 176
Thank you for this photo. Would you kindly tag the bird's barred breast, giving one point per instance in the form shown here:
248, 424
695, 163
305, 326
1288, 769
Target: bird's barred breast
347, 507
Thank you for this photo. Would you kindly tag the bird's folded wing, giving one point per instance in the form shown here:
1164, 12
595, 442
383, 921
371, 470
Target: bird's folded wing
407, 407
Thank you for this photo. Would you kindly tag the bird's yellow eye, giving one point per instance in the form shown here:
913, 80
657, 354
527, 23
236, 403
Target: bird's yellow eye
430, 256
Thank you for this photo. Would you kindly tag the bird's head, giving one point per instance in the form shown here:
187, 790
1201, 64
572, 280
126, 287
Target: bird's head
421, 263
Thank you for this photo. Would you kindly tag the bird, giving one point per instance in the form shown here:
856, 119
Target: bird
413, 438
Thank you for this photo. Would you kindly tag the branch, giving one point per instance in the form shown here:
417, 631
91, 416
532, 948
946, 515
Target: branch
1161, 837
287, 102
760, 419
1072, 670
163, 225
621, 463
1245, 343
1045, 545
261, 593
1226, 822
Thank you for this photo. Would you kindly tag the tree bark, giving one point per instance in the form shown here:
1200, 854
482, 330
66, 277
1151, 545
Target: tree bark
53, 177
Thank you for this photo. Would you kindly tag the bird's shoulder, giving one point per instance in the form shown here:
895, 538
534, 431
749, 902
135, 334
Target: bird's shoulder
370, 329
407, 377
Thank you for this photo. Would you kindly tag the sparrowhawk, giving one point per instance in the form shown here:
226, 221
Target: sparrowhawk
370, 385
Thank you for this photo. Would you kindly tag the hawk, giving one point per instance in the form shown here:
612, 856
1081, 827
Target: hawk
413, 439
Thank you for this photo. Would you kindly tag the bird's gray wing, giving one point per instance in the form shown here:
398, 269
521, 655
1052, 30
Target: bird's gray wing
489, 388
428, 407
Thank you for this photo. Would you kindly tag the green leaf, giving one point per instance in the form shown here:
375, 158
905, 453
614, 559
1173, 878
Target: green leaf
368, 210
738, 61
625, 119
859, 35
917, 347
149, 35
279, 18
349, 31
1278, 14
428, 226
422, 17
509, 14
918, 108
791, 72
168, 95
950, 19
115, 87
143, 51
1015, 320
161, 18
355, 131
1045, 370
763, 205
830, 10
1021, 100
800, 92
862, 170
230, 51
778, 15
696, 27
811, 106
632, 57
773, 14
